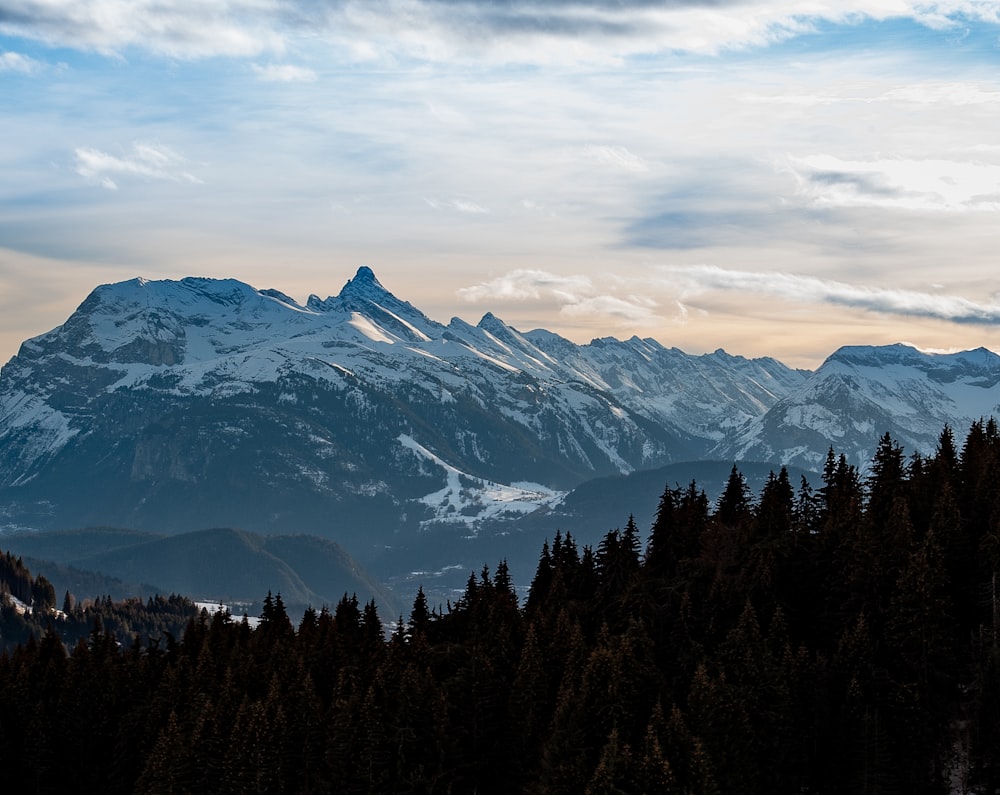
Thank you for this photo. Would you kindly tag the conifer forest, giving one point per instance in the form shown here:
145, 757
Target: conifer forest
827, 638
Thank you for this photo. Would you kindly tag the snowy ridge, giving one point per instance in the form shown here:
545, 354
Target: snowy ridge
152, 386
214, 332
165, 380
862, 392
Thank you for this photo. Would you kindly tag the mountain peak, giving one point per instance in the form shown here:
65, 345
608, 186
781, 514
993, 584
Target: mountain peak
364, 285
491, 323
357, 293
366, 275
365, 295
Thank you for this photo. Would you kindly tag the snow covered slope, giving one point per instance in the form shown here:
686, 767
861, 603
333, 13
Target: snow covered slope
180, 404
860, 393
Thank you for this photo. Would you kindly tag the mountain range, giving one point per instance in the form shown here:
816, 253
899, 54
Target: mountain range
172, 406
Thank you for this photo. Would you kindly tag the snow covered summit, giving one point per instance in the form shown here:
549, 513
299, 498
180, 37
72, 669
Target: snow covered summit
862, 392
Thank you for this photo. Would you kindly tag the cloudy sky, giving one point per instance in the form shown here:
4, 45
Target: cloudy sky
774, 177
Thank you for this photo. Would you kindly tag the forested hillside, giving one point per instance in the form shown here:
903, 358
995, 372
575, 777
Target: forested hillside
28, 610
840, 638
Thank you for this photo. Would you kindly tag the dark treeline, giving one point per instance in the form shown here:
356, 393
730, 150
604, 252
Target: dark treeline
33, 611
16, 580
841, 639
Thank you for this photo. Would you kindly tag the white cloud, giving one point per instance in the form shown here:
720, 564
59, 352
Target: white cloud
617, 157
628, 311
15, 62
465, 206
934, 93
284, 73
143, 160
531, 31
176, 28
920, 93
528, 285
576, 296
458, 205
899, 183
697, 279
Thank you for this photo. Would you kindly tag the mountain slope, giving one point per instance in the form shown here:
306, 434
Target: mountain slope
182, 404
860, 393
215, 565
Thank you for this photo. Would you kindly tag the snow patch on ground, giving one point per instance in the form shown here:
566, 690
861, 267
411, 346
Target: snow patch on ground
469, 500
20, 607
214, 607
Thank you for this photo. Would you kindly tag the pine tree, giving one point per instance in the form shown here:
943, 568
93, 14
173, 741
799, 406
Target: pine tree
529, 705
539, 590
886, 481
655, 773
420, 617
617, 562
734, 506
665, 549
615, 773
919, 631
168, 770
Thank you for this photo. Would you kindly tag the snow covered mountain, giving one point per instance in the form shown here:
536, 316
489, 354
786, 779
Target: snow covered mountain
172, 406
176, 405
861, 393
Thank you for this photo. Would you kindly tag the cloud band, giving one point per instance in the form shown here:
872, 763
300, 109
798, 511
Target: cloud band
433, 28
702, 278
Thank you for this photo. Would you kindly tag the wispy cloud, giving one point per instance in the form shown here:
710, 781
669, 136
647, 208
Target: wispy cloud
528, 285
457, 205
628, 311
142, 160
176, 28
576, 296
284, 73
635, 300
22, 64
574, 30
434, 29
934, 93
919, 93
698, 279
617, 157
903, 183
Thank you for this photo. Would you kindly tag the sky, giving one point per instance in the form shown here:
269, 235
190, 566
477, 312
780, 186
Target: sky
772, 177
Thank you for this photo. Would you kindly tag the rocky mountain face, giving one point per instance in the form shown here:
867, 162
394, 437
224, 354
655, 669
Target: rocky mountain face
861, 393
179, 405
200, 402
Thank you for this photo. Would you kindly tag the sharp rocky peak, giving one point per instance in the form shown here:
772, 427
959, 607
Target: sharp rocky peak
490, 322
366, 296
494, 326
359, 293
364, 285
